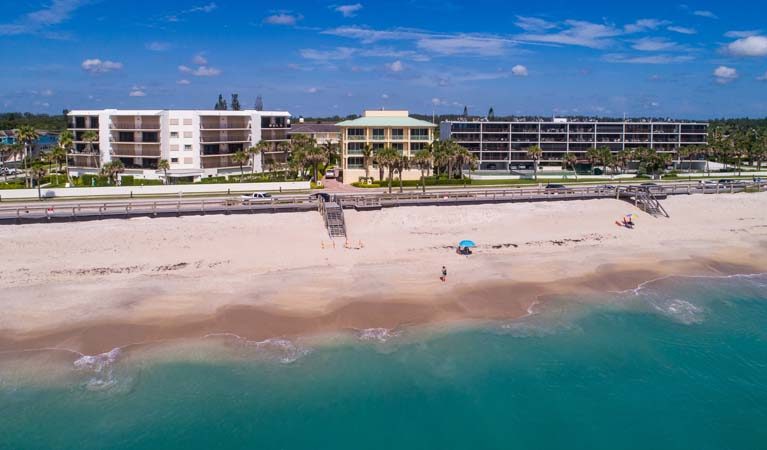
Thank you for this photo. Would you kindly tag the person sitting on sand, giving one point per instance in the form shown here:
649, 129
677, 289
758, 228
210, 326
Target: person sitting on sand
443, 278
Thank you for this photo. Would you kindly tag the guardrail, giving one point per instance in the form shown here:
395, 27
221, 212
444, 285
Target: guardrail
72, 211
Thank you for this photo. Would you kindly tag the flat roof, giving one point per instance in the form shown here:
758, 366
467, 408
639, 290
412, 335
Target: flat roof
582, 122
385, 122
149, 112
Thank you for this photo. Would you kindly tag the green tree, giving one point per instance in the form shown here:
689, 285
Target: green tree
423, 159
535, 153
37, 172
112, 169
27, 135
164, 165
67, 142
491, 114
235, 102
315, 156
367, 159
462, 158
221, 104
241, 158
387, 158
569, 161
401, 164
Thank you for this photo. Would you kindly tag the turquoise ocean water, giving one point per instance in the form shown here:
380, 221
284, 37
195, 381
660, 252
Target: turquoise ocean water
678, 364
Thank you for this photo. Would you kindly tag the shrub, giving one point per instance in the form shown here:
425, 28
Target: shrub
89, 180
127, 180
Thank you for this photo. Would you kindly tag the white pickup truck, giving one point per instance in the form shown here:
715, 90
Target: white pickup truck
256, 197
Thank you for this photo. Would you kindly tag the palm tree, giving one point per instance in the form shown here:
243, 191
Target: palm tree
367, 159
252, 152
462, 157
241, 158
402, 163
5, 152
377, 160
387, 157
570, 160
66, 141
449, 152
423, 159
89, 137
164, 165
112, 169
535, 152
58, 155
314, 157
26, 135
37, 172
331, 151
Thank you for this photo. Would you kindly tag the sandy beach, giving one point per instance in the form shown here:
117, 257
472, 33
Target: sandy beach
94, 286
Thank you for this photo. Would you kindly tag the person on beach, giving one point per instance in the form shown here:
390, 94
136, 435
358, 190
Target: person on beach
444, 274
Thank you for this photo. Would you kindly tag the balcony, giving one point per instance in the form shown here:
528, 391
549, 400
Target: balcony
212, 137
397, 137
355, 137
419, 137
379, 137
87, 160
216, 123
217, 161
139, 151
129, 125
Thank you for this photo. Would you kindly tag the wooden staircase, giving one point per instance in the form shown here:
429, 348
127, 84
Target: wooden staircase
333, 215
646, 200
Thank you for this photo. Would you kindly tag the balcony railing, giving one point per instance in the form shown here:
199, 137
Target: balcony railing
379, 137
148, 151
355, 138
88, 160
215, 125
419, 137
134, 126
217, 161
213, 137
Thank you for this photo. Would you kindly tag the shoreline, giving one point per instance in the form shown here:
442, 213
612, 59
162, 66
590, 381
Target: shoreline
93, 287
258, 324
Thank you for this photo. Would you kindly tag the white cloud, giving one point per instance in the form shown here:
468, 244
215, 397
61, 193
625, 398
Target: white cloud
763, 77
749, 46
682, 30
96, 65
519, 70
651, 59
650, 44
37, 22
158, 46
312, 90
326, 55
705, 13
735, 34
202, 71
184, 82
348, 10
534, 24
439, 102
464, 45
200, 60
724, 74
645, 24
579, 33
385, 96
283, 19
368, 35
46, 92
396, 66
207, 8
137, 91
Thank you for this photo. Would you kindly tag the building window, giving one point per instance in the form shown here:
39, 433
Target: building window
419, 134
174, 121
188, 161
187, 147
94, 121
174, 134
174, 160
399, 146
377, 146
356, 134
187, 121
417, 146
355, 163
125, 136
397, 134
174, 147
150, 137
187, 134
355, 148
379, 134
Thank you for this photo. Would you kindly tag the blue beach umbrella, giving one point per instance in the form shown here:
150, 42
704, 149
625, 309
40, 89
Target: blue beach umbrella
467, 243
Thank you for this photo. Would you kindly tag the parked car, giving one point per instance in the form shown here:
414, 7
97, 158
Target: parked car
727, 181
759, 180
256, 197
330, 173
606, 187
553, 188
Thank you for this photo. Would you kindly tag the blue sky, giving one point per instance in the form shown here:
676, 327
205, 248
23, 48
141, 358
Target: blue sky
697, 60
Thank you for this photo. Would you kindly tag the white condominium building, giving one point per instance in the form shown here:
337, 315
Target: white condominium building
196, 143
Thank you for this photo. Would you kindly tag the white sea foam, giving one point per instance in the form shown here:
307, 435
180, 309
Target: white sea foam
680, 310
377, 334
282, 350
102, 368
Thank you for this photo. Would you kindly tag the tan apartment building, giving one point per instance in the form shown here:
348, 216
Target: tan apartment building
380, 129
